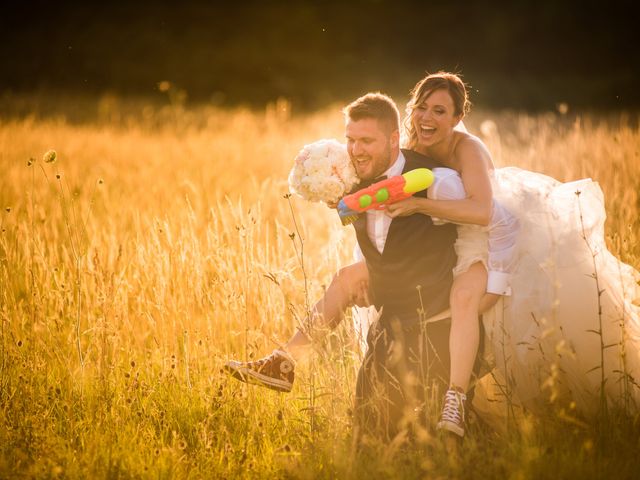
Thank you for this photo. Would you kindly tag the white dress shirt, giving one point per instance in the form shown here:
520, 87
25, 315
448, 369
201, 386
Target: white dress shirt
378, 222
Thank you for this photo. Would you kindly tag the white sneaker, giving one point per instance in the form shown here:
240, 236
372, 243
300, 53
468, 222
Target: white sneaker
453, 412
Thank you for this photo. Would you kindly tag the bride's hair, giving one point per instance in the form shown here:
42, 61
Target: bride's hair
450, 82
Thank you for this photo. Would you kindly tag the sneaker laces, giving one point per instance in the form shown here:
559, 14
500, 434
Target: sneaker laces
261, 361
453, 408
257, 364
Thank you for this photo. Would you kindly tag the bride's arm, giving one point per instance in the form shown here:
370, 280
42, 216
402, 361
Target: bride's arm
473, 162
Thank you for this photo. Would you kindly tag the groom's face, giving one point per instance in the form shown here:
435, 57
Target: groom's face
372, 148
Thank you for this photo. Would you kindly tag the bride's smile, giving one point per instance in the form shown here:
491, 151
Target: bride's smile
434, 118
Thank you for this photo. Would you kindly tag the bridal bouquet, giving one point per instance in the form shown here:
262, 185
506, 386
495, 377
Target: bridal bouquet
322, 172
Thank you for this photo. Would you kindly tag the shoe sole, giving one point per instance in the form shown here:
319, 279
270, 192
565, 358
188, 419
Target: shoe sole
250, 376
450, 427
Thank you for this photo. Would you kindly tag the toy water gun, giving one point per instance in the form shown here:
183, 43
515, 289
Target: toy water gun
384, 192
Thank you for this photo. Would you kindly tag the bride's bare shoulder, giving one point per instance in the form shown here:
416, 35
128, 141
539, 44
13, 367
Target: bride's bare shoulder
470, 148
466, 140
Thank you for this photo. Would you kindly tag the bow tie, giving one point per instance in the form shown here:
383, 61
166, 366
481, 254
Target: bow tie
367, 183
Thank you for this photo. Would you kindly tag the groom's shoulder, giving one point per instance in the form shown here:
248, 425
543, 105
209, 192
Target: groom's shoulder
417, 160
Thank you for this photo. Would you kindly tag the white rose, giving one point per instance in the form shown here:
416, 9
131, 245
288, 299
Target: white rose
332, 190
317, 166
319, 148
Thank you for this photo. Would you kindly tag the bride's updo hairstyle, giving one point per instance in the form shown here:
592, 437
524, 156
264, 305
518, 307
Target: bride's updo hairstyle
450, 82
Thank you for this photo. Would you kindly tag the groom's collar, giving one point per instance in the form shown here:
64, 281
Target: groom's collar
397, 167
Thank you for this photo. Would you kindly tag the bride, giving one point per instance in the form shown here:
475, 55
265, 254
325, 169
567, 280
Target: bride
570, 330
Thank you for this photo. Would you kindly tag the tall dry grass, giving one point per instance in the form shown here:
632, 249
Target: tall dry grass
159, 244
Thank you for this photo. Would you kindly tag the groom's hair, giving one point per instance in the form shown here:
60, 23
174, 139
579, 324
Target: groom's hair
375, 105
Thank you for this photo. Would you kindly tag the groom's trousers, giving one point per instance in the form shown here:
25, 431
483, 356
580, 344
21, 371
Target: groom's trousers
403, 376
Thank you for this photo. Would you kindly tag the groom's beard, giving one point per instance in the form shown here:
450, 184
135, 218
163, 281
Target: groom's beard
369, 167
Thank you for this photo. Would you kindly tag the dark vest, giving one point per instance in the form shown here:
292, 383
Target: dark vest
414, 270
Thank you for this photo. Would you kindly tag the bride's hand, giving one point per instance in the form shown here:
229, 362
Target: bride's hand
403, 208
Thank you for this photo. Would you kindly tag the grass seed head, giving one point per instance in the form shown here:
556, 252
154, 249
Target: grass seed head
50, 157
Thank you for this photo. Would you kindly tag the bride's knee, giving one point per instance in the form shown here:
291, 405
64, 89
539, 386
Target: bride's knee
465, 297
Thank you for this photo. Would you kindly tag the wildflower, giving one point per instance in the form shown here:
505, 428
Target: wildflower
50, 156
7, 209
19, 343
164, 86
133, 363
100, 181
182, 445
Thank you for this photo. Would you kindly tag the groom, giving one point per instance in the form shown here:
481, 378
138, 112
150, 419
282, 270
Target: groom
410, 262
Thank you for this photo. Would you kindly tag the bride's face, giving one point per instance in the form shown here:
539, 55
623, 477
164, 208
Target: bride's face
433, 119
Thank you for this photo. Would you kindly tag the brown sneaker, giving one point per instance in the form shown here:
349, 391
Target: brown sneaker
275, 371
453, 412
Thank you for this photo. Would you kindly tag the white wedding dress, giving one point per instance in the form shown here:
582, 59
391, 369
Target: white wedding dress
571, 328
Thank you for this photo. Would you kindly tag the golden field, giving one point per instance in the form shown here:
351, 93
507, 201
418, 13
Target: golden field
159, 244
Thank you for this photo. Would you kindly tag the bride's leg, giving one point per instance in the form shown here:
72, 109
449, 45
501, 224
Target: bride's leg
467, 292
348, 287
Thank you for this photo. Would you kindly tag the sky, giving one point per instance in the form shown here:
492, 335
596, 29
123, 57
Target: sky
517, 54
